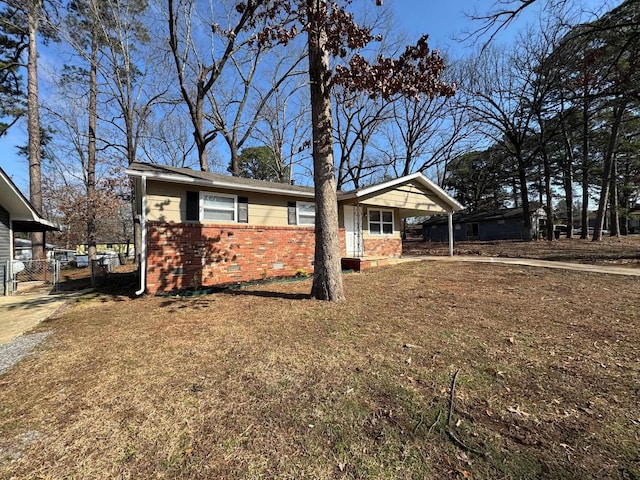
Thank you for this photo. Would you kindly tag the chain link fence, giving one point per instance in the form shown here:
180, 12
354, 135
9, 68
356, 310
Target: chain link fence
23, 275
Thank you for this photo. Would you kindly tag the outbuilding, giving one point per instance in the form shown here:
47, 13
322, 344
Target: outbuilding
503, 224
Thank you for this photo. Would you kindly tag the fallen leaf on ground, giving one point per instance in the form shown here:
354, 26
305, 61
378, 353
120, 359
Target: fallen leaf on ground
518, 411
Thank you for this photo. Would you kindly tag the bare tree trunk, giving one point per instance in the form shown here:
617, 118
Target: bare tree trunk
548, 195
625, 200
199, 135
327, 276
527, 230
33, 125
91, 148
567, 181
540, 185
618, 112
585, 165
234, 166
614, 217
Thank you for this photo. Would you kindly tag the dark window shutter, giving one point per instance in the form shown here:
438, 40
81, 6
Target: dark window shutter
243, 210
291, 212
193, 206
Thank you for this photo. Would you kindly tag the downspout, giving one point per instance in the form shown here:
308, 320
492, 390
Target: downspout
7, 288
450, 217
143, 236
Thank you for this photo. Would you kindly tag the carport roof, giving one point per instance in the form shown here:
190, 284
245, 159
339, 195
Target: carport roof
23, 216
435, 193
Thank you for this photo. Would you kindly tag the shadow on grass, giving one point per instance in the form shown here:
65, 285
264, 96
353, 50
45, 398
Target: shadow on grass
268, 294
112, 286
202, 299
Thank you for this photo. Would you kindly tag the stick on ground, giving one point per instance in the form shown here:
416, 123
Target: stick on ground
452, 436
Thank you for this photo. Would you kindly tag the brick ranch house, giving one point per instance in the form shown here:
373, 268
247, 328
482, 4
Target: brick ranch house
202, 229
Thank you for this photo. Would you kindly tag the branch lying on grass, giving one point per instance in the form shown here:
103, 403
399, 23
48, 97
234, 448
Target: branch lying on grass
452, 436
436, 422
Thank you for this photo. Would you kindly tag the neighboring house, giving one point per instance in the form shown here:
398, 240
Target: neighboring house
22, 249
123, 248
503, 224
16, 215
634, 219
202, 229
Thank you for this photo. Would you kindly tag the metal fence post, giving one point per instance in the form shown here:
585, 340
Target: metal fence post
56, 275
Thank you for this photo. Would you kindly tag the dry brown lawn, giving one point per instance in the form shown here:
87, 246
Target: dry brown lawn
262, 382
623, 251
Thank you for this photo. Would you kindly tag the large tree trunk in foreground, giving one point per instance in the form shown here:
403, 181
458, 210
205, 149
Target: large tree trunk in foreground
33, 126
327, 276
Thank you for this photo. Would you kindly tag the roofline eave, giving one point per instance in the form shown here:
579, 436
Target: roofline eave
447, 199
211, 183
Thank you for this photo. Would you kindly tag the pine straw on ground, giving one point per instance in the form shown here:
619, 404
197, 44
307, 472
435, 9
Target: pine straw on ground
264, 383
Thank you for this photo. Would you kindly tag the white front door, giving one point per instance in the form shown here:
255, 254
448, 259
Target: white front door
353, 230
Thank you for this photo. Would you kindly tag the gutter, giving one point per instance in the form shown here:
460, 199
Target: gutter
143, 234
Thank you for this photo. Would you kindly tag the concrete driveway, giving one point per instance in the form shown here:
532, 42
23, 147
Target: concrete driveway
20, 313
580, 267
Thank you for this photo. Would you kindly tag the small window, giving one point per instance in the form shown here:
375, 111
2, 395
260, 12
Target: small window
472, 230
291, 213
193, 206
243, 210
217, 206
305, 213
381, 222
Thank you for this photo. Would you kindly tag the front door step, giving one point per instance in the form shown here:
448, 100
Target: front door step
359, 264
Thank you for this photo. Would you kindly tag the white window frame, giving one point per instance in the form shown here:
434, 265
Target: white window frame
298, 205
216, 194
381, 222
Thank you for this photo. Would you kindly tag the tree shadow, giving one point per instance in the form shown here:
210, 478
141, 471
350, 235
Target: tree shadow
111, 286
268, 294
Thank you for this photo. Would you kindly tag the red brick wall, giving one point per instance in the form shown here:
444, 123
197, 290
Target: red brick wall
383, 247
182, 256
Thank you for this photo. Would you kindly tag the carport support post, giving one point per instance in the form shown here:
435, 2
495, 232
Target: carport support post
450, 215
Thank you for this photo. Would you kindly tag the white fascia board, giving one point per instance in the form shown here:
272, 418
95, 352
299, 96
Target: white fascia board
23, 210
220, 184
421, 178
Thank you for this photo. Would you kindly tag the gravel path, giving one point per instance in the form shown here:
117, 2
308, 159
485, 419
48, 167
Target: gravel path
14, 351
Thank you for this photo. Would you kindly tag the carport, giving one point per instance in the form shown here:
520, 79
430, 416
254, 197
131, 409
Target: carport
16, 215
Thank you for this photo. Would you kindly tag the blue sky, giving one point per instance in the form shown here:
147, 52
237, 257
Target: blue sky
443, 21
440, 19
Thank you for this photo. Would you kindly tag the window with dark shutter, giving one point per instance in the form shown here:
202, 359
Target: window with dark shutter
243, 210
193, 206
291, 212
